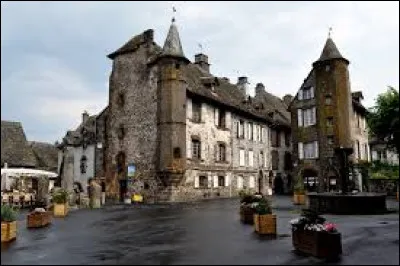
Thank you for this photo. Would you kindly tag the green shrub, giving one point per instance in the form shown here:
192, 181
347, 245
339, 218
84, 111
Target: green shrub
60, 197
263, 207
8, 213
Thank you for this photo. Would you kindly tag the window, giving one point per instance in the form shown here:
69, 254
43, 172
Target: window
308, 150
250, 131
177, 153
275, 160
121, 132
262, 134
241, 129
329, 121
251, 158
288, 161
241, 157
275, 138
261, 159
358, 149
219, 116
196, 149
221, 152
330, 140
252, 182
121, 158
307, 93
83, 164
121, 99
239, 182
328, 100
203, 181
221, 181
307, 117
196, 112
287, 139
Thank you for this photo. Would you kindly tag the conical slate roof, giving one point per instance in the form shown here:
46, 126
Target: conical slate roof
172, 45
330, 51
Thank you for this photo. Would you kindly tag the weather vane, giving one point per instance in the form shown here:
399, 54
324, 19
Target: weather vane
173, 13
329, 32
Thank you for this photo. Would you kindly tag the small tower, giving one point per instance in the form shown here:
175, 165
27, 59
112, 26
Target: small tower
171, 94
334, 95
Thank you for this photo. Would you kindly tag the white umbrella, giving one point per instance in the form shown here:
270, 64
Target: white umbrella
16, 172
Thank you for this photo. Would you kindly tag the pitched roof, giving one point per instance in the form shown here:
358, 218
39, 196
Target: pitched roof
172, 44
15, 150
46, 155
330, 51
75, 137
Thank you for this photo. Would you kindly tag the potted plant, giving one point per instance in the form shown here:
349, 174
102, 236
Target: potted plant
60, 201
38, 218
8, 223
264, 220
312, 235
247, 208
299, 197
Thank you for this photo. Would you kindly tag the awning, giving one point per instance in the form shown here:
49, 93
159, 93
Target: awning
17, 172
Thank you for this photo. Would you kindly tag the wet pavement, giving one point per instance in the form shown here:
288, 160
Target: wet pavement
197, 233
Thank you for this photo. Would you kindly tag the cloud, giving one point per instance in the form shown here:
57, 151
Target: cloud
54, 54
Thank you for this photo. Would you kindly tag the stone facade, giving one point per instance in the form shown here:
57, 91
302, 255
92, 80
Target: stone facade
325, 116
177, 124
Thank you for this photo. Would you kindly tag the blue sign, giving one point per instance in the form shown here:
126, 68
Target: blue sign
131, 170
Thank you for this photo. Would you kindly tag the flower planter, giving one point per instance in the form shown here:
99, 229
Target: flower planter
38, 219
246, 214
299, 199
316, 243
265, 224
60, 210
8, 231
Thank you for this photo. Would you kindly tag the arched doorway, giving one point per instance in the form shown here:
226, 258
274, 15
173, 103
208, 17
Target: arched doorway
278, 184
310, 178
121, 175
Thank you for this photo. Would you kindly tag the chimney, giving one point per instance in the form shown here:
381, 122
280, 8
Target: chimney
202, 61
287, 99
225, 79
260, 88
85, 117
148, 36
243, 84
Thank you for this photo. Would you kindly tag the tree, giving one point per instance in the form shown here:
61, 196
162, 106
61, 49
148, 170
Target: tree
383, 119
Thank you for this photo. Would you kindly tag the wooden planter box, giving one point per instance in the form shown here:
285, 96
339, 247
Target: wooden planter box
265, 224
38, 219
317, 244
246, 215
299, 199
8, 231
60, 210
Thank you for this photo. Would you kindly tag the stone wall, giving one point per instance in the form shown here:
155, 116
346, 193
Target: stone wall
136, 83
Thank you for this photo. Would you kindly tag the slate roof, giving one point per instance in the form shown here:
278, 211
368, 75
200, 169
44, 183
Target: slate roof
330, 51
75, 137
46, 155
15, 150
172, 44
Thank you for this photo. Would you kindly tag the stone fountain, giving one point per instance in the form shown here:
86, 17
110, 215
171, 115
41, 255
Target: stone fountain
346, 202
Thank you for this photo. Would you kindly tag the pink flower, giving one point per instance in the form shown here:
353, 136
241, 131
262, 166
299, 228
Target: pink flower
330, 227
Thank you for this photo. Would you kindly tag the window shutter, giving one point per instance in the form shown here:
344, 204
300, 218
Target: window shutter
238, 128
262, 134
316, 151
251, 158
239, 182
209, 183
228, 120
216, 116
314, 116
312, 92
300, 117
189, 108
189, 150
300, 95
196, 181
245, 133
203, 111
254, 131
227, 177
265, 159
202, 151
216, 152
252, 182
301, 152
215, 181
241, 157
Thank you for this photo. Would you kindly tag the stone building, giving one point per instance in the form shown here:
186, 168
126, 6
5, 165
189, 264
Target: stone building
326, 115
78, 152
186, 133
382, 153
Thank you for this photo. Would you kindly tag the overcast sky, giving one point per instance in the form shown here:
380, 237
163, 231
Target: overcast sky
54, 64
